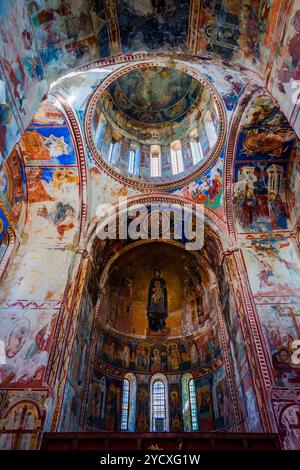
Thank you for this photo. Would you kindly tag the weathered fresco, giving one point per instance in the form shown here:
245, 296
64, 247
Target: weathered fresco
274, 268
104, 408
175, 408
27, 336
125, 296
224, 306
22, 82
213, 402
153, 25
264, 148
160, 356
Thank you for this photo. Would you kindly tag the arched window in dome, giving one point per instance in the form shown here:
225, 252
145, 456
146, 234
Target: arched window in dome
210, 129
155, 161
159, 403
110, 152
131, 162
176, 157
128, 415
196, 149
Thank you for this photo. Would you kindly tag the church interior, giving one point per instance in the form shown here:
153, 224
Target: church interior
141, 343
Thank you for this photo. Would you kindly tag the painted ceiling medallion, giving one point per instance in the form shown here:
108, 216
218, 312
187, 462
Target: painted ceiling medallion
153, 126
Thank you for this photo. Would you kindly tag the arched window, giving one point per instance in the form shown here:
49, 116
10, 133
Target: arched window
210, 129
196, 149
189, 403
128, 403
110, 151
159, 403
193, 405
176, 157
155, 161
131, 162
125, 405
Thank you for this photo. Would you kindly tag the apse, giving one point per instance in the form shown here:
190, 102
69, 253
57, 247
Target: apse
158, 322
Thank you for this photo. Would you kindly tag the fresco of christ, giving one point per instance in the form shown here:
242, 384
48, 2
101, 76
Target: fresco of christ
157, 310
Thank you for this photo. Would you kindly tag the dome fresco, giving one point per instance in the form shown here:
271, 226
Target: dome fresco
155, 125
155, 95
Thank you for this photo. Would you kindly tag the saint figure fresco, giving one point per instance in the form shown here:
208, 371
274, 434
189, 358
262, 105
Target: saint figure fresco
157, 311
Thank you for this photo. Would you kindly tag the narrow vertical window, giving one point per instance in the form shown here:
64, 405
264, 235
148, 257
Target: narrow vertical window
176, 157
131, 162
110, 151
125, 405
193, 405
210, 129
159, 407
155, 163
196, 149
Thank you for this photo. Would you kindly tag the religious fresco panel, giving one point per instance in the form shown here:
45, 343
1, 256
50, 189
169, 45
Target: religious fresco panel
23, 73
27, 335
265, 145
104, 406
175, 407
163, 356
153, 25
213, 401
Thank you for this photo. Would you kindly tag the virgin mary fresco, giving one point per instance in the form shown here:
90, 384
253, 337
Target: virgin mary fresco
157, 311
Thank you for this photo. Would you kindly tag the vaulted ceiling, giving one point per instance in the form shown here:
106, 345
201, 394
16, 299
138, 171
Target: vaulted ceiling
41, 40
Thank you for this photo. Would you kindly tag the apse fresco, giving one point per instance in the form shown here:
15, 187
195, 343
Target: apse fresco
175, 408
27, 336
161, 356
265, 145
213, 402
70, 413
148, 25
127, 289
104, 409
143, 408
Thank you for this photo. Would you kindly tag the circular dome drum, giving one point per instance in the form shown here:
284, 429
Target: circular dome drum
155, 125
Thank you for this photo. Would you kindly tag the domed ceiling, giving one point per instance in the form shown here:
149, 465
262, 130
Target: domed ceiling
155, 95
147, 110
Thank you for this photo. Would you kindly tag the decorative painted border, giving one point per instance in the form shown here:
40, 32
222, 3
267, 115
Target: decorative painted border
77, 139
9, 250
